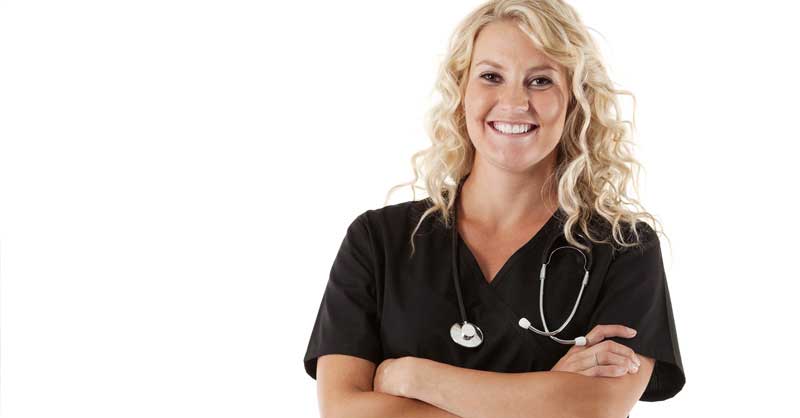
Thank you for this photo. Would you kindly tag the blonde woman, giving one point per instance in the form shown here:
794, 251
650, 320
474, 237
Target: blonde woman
441, 307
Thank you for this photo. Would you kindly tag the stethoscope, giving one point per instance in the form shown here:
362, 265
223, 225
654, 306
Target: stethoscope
467, 334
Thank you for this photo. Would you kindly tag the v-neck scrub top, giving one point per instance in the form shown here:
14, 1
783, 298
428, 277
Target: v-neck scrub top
379, 303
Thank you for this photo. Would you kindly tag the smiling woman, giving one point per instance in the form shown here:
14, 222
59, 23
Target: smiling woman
528, 156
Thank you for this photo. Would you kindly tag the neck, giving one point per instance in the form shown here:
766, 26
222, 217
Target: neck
499, 200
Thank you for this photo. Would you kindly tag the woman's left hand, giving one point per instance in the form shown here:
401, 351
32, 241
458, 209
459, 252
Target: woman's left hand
395, 376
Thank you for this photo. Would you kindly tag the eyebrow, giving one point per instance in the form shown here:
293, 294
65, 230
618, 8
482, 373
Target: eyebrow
534, 68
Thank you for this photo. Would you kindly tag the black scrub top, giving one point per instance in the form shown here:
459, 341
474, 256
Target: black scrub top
380, 304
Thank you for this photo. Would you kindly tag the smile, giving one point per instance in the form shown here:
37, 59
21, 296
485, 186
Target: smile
531, 132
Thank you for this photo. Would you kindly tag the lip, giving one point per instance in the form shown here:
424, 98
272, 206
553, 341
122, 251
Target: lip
521, 122
530, 133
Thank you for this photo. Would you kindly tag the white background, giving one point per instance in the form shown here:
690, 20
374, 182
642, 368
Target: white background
176, 178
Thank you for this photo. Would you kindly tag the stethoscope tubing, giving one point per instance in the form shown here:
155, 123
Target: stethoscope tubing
456, 273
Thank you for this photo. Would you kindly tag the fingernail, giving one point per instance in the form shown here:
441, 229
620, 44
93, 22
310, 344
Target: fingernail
636, 359
635, 369
631, 331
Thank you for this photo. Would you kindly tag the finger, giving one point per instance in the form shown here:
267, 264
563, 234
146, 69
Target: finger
601, 332
605, 371
615, 347
604, 358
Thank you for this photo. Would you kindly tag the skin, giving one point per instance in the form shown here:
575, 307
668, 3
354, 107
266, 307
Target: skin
504, 190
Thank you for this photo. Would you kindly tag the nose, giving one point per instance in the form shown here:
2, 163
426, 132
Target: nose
515, 100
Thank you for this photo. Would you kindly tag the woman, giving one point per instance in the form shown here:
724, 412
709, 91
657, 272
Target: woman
431, 306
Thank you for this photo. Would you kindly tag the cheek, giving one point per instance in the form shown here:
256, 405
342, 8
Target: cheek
472, 104
476, 103
550, 107
475, 109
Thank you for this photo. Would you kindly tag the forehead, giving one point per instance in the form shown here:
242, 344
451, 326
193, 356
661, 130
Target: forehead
504, 43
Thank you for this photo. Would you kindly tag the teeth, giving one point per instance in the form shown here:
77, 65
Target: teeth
511, 129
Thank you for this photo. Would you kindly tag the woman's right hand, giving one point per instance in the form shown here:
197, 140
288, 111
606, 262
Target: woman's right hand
606, 358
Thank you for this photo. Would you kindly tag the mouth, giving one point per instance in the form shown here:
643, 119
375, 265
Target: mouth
530, 132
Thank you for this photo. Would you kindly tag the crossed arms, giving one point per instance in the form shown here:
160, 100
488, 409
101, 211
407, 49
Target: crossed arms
345, 390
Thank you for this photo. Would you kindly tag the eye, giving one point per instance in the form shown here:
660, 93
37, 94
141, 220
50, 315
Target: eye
543, 78
483, 76
494, 76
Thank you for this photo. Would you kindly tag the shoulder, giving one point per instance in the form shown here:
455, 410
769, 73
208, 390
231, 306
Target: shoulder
639, 233
391, 228
398, 217
644, 238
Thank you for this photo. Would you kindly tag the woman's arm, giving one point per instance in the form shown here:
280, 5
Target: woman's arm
361, 404
470, 393
344, 389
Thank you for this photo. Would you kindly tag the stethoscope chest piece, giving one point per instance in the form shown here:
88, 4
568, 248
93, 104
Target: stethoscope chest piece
466, 334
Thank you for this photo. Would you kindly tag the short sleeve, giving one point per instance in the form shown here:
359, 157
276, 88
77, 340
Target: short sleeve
347, 321
635, 294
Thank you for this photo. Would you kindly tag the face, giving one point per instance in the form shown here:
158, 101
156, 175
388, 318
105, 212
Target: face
507, 89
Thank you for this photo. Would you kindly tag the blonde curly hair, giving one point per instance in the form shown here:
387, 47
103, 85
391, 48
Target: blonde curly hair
594, 164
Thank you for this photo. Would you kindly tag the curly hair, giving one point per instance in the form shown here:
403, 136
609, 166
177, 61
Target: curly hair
594, 164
